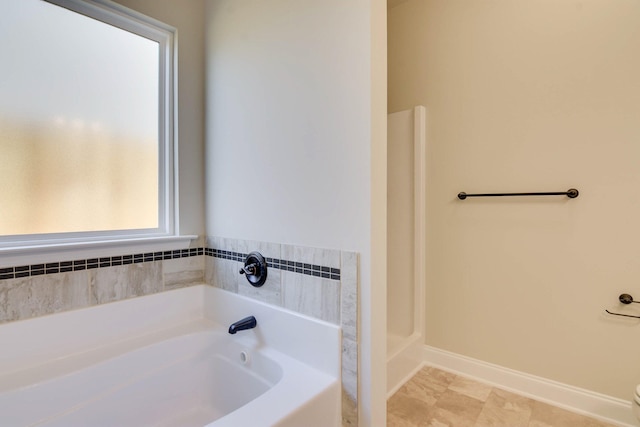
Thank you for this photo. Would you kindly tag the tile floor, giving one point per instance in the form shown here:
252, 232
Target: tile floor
435, 398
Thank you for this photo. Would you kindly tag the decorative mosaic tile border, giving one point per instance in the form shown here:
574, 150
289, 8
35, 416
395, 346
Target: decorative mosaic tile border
91, 263
281, 264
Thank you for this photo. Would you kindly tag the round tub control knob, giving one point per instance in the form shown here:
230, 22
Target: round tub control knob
255, 269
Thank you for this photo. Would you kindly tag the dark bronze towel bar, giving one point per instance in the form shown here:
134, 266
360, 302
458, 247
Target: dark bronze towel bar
571, 193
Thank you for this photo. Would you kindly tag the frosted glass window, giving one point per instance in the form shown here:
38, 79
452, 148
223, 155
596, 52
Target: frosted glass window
82, 113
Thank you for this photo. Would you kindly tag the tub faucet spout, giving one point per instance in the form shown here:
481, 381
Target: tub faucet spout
241, 325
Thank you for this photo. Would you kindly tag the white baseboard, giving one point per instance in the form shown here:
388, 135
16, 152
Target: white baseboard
404, 363
596, 405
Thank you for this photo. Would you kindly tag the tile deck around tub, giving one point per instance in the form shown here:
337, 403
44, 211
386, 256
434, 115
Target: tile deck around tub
437, 398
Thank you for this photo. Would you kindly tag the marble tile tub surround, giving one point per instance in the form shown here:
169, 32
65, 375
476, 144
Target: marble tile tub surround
93, 263
33, 290
37, 290
322, 283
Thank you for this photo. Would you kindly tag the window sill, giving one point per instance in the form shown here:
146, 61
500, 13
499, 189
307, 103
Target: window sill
25, 255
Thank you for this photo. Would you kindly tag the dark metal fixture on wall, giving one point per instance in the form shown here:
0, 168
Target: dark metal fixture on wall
255, 269
571, 193
625, 299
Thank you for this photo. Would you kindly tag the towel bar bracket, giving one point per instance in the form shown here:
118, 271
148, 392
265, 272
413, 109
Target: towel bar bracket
625, 299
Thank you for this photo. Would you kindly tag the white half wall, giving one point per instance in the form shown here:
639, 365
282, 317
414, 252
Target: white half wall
400, 224
296, 142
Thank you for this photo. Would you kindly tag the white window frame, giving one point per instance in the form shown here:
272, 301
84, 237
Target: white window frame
42, 247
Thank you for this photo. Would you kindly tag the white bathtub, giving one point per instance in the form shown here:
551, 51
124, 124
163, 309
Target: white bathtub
167, 360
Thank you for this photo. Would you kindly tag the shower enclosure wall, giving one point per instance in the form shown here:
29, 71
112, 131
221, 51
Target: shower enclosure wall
406, 180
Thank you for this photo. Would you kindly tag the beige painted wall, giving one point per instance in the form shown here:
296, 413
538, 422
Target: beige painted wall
538, 95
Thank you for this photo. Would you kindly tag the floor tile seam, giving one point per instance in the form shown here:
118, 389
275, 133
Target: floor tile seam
497, 411
483, 402
443, 408
472, 421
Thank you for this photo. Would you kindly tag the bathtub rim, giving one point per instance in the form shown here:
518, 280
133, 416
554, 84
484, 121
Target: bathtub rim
304, 342
26, 347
